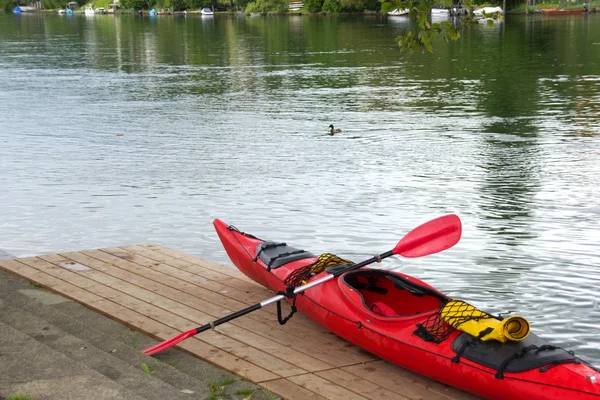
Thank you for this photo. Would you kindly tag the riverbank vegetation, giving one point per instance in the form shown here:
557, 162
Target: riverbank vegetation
309, 6
261, 6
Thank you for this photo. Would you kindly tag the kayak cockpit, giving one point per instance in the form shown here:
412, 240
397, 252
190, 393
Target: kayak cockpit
389, 294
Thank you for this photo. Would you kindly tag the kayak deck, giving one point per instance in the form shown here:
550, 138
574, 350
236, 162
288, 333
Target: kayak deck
164, 292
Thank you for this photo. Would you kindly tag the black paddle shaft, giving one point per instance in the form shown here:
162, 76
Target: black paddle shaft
228, 317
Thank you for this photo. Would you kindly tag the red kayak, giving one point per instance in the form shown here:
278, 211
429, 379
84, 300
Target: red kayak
387, 313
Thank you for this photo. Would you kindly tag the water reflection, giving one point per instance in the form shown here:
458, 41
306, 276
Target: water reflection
510, 185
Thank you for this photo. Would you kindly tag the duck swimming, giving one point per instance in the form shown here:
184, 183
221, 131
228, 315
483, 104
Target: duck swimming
333, 131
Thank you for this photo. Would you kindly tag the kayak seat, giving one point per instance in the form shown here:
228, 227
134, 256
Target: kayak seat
383, 309
275, 254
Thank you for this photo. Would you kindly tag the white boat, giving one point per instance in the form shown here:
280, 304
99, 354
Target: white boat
440, 11
89, 11
493, 14
488, 10
399, 12
206, 11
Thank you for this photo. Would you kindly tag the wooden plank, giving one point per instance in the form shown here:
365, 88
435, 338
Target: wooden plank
423, 381
216, 276
47, 281
164, 265
138, 321
401, 381
329, 390
202, 271
207, 264
91, 278
156, 282
291, 391
202, 289
359, 385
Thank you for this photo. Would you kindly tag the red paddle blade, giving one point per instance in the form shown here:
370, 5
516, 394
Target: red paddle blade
157, 348
431, 237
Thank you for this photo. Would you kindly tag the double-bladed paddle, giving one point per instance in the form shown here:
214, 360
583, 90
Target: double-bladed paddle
431, 237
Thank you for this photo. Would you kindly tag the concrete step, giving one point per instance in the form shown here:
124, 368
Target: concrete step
59, 348
31, 368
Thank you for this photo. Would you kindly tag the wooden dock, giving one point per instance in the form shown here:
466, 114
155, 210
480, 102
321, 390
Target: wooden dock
164, 292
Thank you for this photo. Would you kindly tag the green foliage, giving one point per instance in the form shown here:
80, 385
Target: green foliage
313, 6
147, 369
217, 389
9, 6
136, 4
53, 4
359, 5
202, 3
332, 6
265, 6
279, 5
176, 5
253, 7
194, 3
19, 396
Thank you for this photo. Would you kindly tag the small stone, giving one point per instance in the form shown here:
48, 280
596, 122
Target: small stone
187, 391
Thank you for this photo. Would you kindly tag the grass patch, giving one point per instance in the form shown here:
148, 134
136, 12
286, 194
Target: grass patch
147, 369
35, 284
217, 389
19, 397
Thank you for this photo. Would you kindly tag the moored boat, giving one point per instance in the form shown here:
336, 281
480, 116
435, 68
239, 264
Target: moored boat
488, 11
554, 11
440, 11
399, 12
390, 314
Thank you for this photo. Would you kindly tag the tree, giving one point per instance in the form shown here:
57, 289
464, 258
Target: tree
264, 6
313, 6
177, 5
359, 5
194, 3
332, 6
135, 4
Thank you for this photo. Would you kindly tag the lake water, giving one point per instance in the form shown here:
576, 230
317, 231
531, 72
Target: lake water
126, 129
